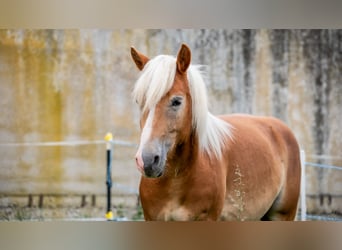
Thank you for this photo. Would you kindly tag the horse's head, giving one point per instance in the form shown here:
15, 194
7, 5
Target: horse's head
163, 94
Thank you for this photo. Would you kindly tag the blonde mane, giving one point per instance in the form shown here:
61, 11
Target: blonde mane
157, 79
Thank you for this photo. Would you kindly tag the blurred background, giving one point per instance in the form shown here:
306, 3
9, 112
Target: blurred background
61, 91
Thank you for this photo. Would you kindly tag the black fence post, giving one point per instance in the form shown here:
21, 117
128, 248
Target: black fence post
109, 139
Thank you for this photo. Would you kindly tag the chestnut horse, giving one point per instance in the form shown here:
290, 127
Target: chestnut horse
196, 166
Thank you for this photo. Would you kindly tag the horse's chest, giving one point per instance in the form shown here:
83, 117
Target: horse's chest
172, 210
193, 207
181, 201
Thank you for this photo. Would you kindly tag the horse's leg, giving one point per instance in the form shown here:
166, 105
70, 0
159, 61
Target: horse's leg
284, 208
281, 211
286, 203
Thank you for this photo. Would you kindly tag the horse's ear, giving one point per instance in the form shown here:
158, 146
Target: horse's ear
139, 59
183, 58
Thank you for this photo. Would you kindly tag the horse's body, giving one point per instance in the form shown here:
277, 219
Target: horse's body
199, 167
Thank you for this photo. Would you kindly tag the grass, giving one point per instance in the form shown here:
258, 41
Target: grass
15, 212
139, 215
24, 213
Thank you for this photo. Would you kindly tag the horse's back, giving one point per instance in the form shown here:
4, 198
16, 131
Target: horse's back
263, 161
272, 130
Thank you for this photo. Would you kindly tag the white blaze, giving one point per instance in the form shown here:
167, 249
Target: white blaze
144, 138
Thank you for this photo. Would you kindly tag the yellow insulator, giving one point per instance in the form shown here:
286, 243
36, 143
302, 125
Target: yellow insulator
109, 137
109, 215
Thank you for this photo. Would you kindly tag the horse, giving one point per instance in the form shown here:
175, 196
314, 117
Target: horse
198, 166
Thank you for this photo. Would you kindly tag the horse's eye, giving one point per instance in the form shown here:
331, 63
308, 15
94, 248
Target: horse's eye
177, 101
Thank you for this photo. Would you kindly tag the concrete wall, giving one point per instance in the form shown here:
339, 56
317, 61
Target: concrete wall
66, 85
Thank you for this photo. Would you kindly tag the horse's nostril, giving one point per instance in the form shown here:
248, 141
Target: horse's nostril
156, 159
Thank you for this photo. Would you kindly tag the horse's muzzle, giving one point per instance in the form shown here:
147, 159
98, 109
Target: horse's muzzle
153, 164
151, 160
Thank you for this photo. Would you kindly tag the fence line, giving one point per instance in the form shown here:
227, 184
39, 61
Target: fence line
130, 190
303, 214
67, 143
40, 197
318, 165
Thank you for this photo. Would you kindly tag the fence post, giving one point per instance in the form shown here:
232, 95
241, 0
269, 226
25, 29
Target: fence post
109, 139
303, 187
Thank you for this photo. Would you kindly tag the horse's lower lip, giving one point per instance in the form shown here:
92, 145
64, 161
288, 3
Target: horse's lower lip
152, 176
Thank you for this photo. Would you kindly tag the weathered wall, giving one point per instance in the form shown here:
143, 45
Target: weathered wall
61, 85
